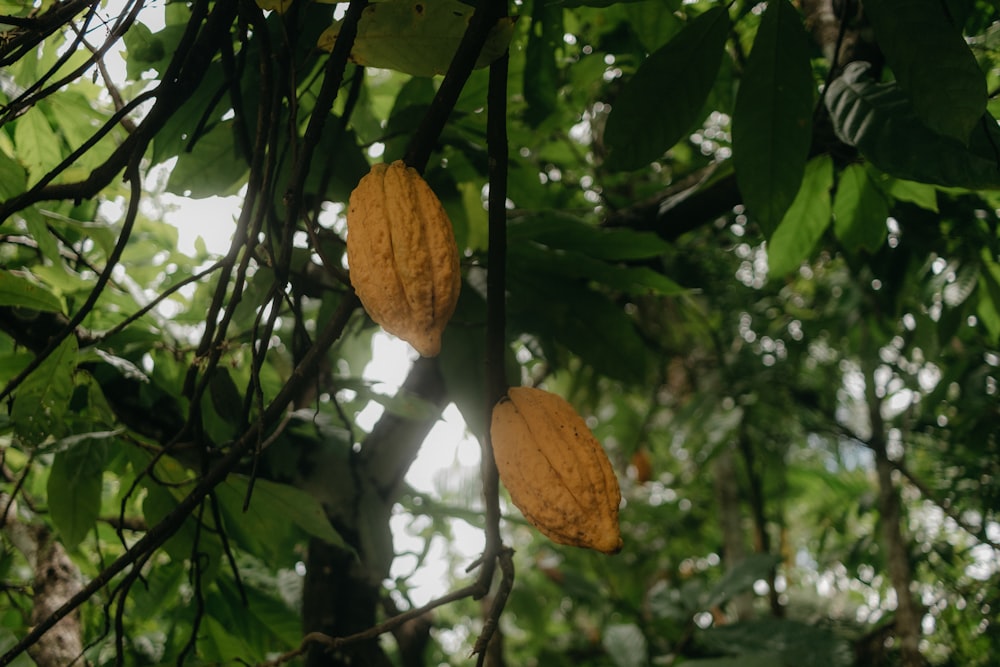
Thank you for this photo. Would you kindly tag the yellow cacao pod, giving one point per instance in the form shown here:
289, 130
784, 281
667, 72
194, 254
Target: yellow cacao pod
555, 470
402, 255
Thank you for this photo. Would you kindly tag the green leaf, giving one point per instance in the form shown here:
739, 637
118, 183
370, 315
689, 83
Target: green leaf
417, 37
226, 397
541, 72
19, 291
772, 121
626, 645
920, 194
663, 99
172, 139
7, 641
476, 217
220, 644
38, 146
144, 50
638, 280
741, 578
653, 24
47, 242
77, 120
806, 220
879, 119
212, 168
274, 510
74, 490
43, 398
169, 483
932, 63
988, 308
557, 230
13, 177
564, 314
859, 210
339, 164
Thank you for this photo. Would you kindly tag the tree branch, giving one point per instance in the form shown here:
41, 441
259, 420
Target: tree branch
163, 530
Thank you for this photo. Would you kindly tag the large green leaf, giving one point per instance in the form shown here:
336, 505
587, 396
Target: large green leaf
663, 98
558, 230
213, 166
175, 135
74, 490
806, 220
639, 280
16, 290
772, 121
38, 147
879, 119
278, 515
565, 315
932, 63
859, 210
43, 398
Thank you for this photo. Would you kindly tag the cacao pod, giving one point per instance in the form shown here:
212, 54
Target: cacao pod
402, 255
555, 470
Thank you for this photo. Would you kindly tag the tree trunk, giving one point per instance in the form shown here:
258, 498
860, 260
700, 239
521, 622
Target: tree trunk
338, 601
56, 580
342, 588
731, 521
908, 613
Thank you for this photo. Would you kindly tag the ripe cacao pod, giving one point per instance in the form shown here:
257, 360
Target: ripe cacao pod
555, 470
402, 255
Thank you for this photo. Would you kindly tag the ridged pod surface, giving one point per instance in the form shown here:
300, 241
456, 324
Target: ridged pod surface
402, 255
555, 470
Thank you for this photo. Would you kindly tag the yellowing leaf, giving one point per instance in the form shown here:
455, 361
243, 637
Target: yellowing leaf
417, 37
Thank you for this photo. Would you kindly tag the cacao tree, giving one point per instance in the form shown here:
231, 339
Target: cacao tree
754, 244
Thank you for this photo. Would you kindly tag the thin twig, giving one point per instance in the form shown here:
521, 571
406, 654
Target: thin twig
160, 298
506, 559
332, 643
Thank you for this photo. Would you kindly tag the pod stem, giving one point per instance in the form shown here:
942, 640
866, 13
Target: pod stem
496, 340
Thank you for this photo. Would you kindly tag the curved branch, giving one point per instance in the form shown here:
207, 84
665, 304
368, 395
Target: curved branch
332, 643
